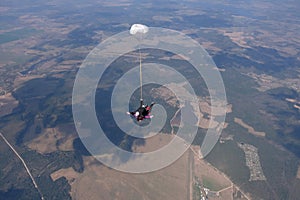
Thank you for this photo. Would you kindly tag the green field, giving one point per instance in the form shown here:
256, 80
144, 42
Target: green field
211, 184
17, 34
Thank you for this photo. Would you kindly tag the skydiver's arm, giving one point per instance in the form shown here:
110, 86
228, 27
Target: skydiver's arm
152, 104
148, 108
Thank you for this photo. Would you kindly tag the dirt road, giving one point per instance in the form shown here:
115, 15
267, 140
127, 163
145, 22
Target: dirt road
24, 164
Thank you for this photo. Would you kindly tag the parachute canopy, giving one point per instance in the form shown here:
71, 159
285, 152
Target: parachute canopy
138, 28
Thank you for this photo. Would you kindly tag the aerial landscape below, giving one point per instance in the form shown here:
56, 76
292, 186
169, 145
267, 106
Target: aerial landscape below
255, 47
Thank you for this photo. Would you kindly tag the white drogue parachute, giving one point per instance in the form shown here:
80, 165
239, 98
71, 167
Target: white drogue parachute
138, 28
138, 31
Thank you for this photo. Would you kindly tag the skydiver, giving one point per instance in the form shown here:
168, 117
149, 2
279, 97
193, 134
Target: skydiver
143, 112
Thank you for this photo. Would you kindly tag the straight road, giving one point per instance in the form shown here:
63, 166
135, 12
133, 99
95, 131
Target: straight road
24, 164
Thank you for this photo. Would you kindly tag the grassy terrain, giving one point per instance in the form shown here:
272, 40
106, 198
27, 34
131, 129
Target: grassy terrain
211, 184
11, 63
247, 103
71, 30
100, 182
16, 34
46, 99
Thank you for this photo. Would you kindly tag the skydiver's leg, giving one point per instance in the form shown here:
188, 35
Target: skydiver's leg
131, 113
148, 116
